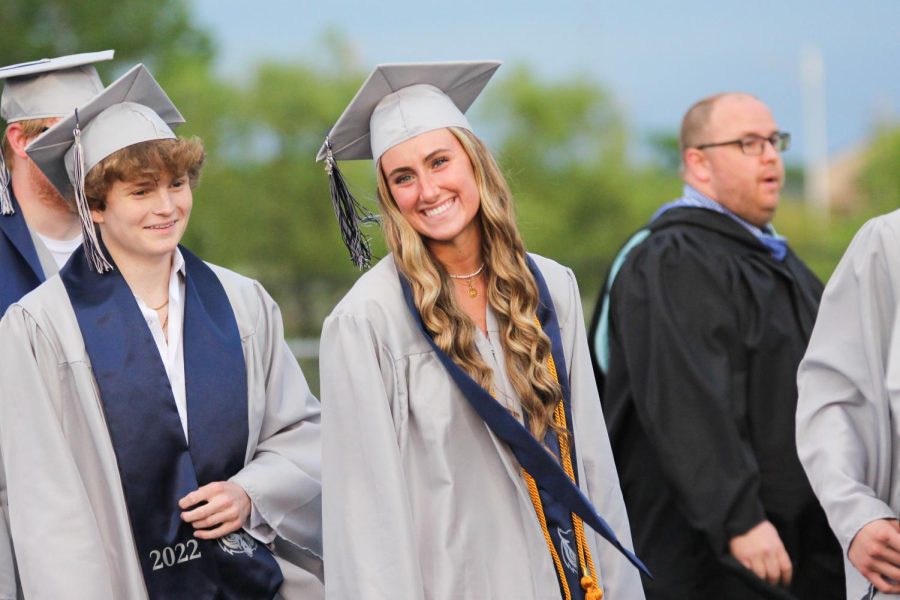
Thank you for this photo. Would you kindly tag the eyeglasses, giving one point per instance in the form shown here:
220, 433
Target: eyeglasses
754, 145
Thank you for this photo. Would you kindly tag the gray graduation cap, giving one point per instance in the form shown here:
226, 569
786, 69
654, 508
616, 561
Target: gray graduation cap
46, 88
397, 102
50, 87
133, 109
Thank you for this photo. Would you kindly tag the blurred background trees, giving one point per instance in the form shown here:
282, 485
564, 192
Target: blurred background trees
263, 206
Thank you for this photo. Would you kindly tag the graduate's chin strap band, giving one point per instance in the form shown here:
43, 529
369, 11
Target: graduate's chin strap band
6, 207
95, 257
351, 215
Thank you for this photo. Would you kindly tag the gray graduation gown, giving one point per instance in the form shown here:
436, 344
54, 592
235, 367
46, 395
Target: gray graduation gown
9, 587
421, 500
67, 513
848, 413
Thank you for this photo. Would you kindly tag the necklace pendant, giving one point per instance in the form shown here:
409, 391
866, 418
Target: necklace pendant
473, 292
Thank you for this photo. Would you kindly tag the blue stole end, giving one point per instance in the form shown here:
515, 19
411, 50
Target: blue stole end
20, 268
559, 494
157, 465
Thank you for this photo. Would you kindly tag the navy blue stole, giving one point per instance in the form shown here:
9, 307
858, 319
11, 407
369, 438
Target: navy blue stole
558, 492
20, 268
156, 464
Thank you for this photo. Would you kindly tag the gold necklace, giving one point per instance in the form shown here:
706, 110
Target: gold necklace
165, 322
468, 279
161, 306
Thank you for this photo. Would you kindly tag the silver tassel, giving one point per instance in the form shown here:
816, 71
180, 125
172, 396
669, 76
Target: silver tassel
96, 260
350, 213
6, 207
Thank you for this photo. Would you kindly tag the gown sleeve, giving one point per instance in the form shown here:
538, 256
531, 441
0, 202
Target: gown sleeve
370, 546
677, 323
8, 584
283, 476
846, 381
619, 578
56, 538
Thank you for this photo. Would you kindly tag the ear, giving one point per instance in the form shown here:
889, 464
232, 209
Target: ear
17, 140
696, 165
97, 216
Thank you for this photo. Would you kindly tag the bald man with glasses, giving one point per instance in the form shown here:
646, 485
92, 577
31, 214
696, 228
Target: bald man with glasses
696, 340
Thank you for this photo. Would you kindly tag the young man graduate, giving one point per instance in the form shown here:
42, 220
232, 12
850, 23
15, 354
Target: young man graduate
158, 437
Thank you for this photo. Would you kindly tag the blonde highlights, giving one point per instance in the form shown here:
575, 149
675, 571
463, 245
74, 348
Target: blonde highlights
511, 290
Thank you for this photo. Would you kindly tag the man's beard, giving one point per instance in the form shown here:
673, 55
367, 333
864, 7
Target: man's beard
46, 192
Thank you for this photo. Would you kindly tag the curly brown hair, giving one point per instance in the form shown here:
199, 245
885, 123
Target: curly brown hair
153, 159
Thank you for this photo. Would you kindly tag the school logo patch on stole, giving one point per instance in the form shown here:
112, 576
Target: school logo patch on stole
239, 542
568, 553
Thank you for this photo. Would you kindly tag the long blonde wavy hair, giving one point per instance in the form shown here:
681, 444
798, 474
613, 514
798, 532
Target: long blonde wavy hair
511, 290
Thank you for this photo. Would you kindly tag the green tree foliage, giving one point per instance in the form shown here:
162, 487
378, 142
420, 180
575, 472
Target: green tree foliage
666, 150
158, 32
822, 239
880, 179
263, 206
563, 148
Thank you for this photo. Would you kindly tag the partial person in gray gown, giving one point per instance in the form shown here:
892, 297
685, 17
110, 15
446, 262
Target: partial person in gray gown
38, 229
443, 367
849, 409
158, 438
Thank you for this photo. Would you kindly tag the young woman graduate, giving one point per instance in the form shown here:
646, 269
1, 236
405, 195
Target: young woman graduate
158, 438
464, 448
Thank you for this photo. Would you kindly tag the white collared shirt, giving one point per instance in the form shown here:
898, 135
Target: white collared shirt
172, 354
172, 351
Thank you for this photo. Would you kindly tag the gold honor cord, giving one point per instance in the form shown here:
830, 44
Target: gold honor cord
589, 581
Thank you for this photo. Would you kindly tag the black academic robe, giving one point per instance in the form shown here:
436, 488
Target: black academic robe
706, 333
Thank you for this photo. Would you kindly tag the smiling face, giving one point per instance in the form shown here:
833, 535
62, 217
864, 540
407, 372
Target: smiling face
141, 198
146, 218
749, 186
433, 184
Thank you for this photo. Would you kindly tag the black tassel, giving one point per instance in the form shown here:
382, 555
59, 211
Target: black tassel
350, 213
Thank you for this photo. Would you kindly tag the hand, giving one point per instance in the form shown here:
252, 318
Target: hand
226, 508
760, 550
875, 552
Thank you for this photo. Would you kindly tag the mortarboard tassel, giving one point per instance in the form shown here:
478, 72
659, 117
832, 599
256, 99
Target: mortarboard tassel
350, 213
6, 207
94, 254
